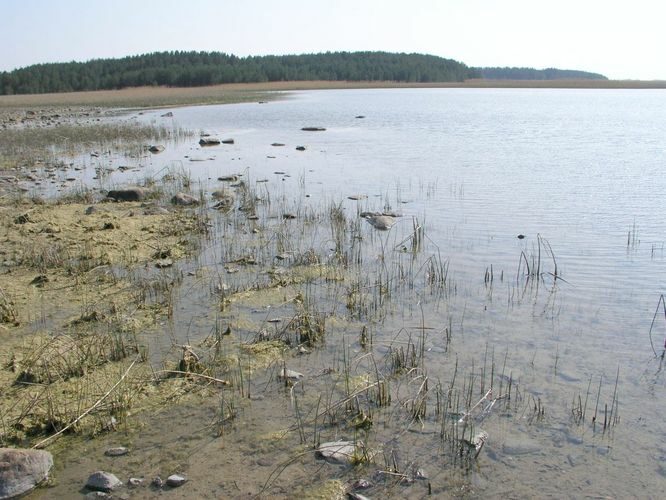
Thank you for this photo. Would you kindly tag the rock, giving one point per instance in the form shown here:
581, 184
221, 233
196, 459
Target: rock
290, 374
224, 204
40, 280
22, 219
288, 216
156, 149
313, 129
361, 484
381, 222
360, 116
155, 211
300, 148
103, 481
117, 451
357, 197
184, 199
134, 193
135, 482
277, 144
176, 480
209, 141
163, 263
21, 470
341, 452
167, 115
157, 482
91, 210
227, 141
228, 178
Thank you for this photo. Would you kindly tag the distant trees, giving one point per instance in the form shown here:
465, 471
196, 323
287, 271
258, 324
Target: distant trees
536, 74
190, 69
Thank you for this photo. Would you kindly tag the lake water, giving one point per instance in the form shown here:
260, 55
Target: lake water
579, 172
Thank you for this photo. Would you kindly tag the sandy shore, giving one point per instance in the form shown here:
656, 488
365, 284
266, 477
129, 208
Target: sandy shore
174, 96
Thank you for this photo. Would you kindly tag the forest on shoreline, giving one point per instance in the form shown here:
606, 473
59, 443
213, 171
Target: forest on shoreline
197, 69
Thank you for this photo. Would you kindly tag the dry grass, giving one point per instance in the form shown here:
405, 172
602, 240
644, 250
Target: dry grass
147, 97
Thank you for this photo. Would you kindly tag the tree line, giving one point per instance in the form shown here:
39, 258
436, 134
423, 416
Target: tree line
536, 74
191, 69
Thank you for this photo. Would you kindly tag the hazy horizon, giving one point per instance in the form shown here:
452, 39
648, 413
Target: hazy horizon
608, 37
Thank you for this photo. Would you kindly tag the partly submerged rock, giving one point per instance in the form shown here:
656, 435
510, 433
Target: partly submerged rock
184, 199
158, 148
209, 141
381, 222
103, 481
300, 148
313, 129
290, 374
133, 193
21, 470
228, 178
227, 141
341, 452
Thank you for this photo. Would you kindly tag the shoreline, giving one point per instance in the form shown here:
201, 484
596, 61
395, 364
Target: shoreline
154, 97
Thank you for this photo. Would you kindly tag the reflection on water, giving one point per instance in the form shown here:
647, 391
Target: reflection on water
556, 323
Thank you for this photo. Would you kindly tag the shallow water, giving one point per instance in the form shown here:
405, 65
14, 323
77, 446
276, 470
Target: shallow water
579, 168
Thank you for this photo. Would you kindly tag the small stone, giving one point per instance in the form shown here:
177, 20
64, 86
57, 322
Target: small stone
103, 481
290, 374
117, 451
157, 482
361, 484
176, 480
184, 199
40, 280
135, 482
342, 452
163, 263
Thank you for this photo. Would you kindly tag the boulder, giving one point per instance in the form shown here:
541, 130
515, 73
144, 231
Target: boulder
133, 193
103, 481
21, 470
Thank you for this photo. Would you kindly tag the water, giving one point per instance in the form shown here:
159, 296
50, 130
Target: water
580, 169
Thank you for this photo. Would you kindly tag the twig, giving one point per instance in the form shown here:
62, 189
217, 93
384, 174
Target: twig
97, 403
194, 374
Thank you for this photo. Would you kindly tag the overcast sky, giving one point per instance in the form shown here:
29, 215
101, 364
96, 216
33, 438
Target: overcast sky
621, 39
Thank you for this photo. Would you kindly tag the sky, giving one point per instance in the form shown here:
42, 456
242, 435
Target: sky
622, 39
